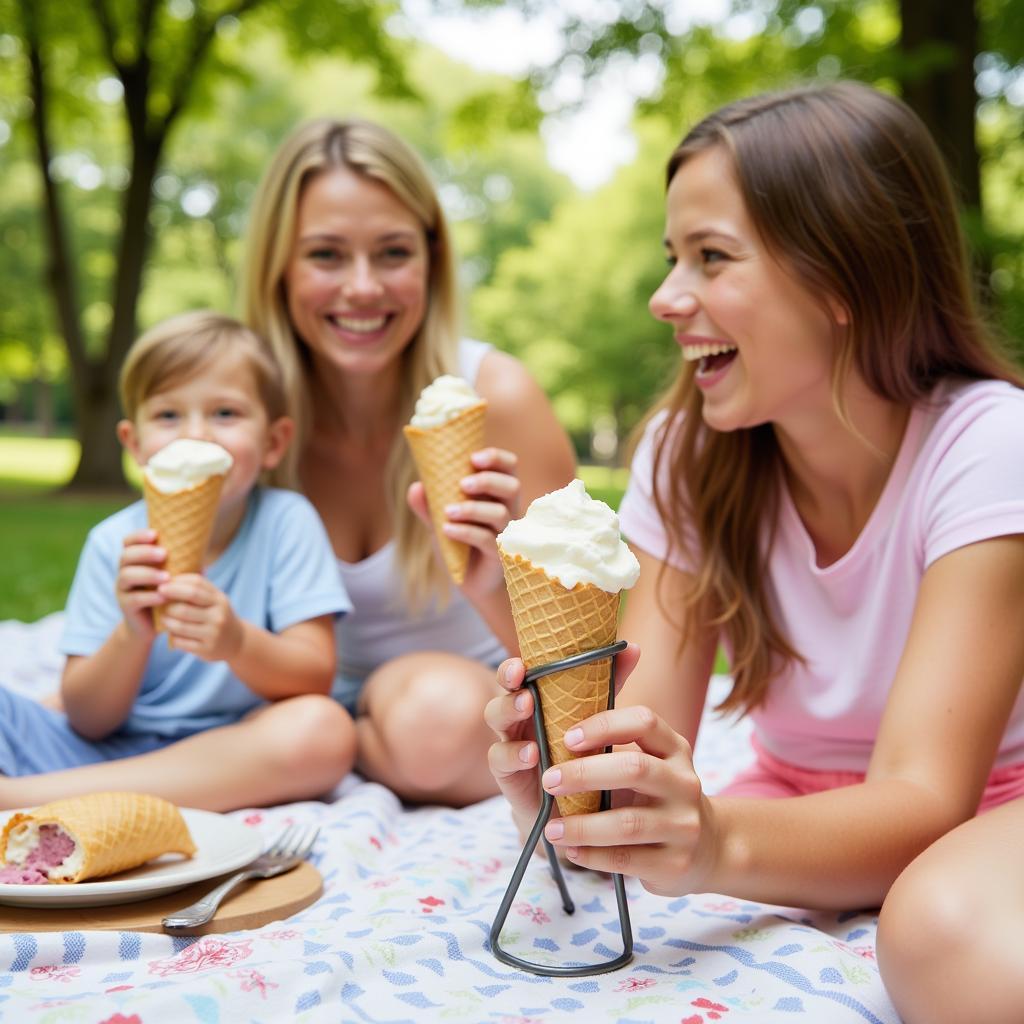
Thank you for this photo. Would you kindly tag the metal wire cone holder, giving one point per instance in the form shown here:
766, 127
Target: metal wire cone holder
537, 834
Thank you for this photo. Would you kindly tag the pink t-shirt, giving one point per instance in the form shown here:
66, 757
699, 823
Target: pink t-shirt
958, 478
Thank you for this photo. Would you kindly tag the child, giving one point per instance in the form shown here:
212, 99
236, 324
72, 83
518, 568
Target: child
834, 489
230, 707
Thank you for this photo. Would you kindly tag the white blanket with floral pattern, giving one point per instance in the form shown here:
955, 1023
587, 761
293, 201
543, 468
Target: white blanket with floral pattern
401, 931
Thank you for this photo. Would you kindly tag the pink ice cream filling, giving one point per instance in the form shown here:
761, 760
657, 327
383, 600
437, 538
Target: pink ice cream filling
53, 847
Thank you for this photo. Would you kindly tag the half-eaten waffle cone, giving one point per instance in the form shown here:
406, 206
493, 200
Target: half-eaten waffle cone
183, 521
95, 835
553, 622
442, 459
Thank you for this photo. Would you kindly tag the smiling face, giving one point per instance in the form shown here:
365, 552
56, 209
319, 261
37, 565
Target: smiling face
357, 277
220, 403
763, 344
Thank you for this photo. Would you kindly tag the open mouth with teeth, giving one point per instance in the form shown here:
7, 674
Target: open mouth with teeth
362, 324
709, 357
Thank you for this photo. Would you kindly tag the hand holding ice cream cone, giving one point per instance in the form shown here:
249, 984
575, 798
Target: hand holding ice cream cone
182, 484
565, 566
446, 428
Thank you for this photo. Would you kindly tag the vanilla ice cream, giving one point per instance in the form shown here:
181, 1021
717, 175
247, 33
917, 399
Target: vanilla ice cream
185, 463
442, 401
574, 538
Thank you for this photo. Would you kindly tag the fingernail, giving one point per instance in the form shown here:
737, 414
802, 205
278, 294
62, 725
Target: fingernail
521, 699
452, 510
506, 674
572, 737
468, 483
555, 830
552, 778
572, 852
526, 753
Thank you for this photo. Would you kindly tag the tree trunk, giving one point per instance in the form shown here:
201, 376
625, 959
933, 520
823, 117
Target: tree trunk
944, 96
96, 399
99, 468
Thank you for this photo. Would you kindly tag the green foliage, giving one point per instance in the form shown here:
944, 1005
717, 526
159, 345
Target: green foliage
573, 303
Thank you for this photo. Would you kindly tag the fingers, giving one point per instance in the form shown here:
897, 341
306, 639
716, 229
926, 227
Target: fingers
510, 758
638, 724
505, 713
654, 777
499, 459
511, 673
190, 589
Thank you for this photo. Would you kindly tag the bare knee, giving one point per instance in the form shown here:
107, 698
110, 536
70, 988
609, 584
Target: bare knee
312, 740
434, 727
927, 925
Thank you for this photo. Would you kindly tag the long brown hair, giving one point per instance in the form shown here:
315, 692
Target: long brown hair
370, 150
847, 189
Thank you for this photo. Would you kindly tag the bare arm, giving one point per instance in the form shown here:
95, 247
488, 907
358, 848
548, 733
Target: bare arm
199, 619
947, 709
98, 690
671, 677
300, 659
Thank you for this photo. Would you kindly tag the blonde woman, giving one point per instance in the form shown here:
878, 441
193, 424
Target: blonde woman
834, 489
350, 274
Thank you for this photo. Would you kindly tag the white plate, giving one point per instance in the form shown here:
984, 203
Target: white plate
222, 845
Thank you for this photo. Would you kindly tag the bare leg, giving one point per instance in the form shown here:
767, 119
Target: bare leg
293, 750
950, 926
422, 731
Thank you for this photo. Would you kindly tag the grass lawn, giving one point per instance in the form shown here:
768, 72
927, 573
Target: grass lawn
43, 530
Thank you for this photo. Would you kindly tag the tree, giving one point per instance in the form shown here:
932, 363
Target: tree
163, 57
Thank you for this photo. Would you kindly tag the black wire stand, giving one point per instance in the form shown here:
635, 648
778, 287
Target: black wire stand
537, 834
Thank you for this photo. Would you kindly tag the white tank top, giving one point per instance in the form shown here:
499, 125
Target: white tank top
381, 626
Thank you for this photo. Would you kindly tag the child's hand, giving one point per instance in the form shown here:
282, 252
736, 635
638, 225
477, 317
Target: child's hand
139, 574
199, 618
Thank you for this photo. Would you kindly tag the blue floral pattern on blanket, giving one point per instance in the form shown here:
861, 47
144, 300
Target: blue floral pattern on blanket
401, 935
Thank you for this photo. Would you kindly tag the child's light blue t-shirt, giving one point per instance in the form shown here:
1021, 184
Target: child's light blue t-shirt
279, 570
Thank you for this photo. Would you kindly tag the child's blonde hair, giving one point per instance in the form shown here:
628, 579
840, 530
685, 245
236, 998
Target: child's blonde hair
181, 347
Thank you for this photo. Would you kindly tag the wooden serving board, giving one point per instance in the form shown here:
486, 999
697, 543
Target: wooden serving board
251, 905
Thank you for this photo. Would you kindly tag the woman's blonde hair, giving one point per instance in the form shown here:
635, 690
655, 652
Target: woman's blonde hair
847, 189
372, 151
181, 347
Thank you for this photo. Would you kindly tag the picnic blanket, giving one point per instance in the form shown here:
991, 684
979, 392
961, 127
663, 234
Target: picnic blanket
401, 931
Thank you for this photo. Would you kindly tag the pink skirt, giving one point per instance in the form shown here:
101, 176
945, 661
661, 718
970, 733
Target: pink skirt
770, 777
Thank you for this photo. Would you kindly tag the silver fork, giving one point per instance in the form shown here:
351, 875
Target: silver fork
286, 852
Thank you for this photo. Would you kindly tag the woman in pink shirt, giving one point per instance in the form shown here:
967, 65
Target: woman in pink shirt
833, 489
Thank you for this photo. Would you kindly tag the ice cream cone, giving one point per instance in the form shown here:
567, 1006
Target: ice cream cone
442, 459
183, 521
112, 831
553, 622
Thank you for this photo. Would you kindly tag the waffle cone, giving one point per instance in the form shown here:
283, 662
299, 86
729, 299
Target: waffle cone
442, 460
554, 622
183, 521
115, 831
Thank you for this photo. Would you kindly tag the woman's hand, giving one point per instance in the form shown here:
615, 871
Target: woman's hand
492, 501
664, 833
514, 758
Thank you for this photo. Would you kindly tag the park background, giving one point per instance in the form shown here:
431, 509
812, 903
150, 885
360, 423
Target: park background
133, 132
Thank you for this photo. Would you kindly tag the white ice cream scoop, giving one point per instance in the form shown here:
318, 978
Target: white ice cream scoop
574, 538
